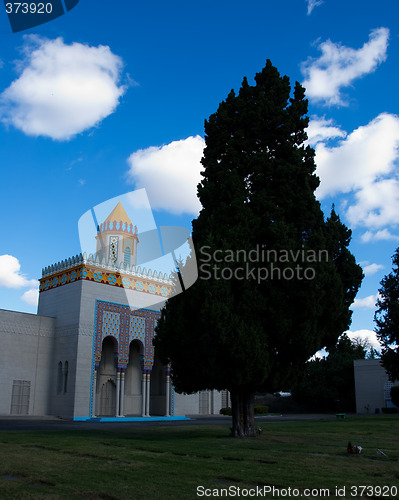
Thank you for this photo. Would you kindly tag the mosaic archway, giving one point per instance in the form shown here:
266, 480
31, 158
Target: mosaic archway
128, 328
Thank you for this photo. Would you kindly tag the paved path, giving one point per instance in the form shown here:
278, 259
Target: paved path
56, 424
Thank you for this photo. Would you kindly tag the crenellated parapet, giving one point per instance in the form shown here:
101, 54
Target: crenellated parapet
63, 264
94, 260
118, 226
91, 268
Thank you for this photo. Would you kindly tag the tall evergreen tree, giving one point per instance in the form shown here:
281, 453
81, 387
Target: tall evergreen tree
275, 279
387, 320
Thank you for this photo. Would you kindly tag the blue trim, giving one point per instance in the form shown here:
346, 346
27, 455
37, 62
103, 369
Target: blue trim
127, 419
92, 363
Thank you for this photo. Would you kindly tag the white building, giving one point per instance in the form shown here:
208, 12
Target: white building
88, 352
372, 386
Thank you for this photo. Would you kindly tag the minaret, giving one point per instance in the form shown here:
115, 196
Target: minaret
117, 239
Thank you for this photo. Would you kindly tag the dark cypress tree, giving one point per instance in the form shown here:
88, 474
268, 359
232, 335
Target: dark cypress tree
387, 320
275, 279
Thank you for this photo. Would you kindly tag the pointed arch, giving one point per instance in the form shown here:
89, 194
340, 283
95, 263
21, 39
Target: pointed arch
133, 379
158, 400
127, 256
106, 378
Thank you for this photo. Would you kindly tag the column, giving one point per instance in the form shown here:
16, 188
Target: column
143, 393
122, 399
118, 389
167, 398
93, 396
147, 408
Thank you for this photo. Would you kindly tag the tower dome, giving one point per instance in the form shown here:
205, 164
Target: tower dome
117, 239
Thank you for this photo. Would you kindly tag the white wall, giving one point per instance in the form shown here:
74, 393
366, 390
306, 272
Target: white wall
25, 354
189, 404
370, 380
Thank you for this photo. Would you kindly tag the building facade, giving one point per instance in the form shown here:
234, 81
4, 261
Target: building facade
88, 352
372, 386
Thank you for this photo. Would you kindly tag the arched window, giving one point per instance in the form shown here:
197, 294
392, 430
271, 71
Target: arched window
59, 378
127, 256
65, 376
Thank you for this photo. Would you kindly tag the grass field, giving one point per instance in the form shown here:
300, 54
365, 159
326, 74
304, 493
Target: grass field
170, 463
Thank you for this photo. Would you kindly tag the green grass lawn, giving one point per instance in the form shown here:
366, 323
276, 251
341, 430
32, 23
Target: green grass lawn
170, 463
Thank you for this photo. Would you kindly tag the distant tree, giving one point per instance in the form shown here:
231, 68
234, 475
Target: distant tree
373, 354
387, 320
363, 343
250, 324
328, 384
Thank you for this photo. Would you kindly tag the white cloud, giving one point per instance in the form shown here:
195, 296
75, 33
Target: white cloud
312, 4
383, 234
31, 297
170, 174
376, 204
320, 130
367, 302
338, 66
368, 335
10, 273
62, 89
372, 269
364, 163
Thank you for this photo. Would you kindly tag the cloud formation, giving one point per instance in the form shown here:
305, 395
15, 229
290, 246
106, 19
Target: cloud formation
372, 269
339, 66
365, 335
62, 89
170, 174
321, 130
382, 234
364, 163
31, 297
367, 302
10, 273
312, 4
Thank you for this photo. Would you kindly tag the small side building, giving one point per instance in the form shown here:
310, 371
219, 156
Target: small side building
372, 386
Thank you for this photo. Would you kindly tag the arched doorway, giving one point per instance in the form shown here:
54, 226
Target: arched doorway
158, 399
133, 399
108, 399
106, 379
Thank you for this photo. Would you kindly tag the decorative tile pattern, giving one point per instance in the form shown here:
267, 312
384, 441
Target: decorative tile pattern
113, 278
137, 328
113, 249
111, 325
125, 325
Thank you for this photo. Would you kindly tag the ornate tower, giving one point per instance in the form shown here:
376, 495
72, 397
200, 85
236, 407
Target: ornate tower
117, 239
105, 311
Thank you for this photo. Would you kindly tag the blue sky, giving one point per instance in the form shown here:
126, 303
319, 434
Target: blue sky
112, 97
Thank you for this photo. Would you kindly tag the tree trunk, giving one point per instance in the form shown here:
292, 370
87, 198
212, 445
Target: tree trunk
242, 402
